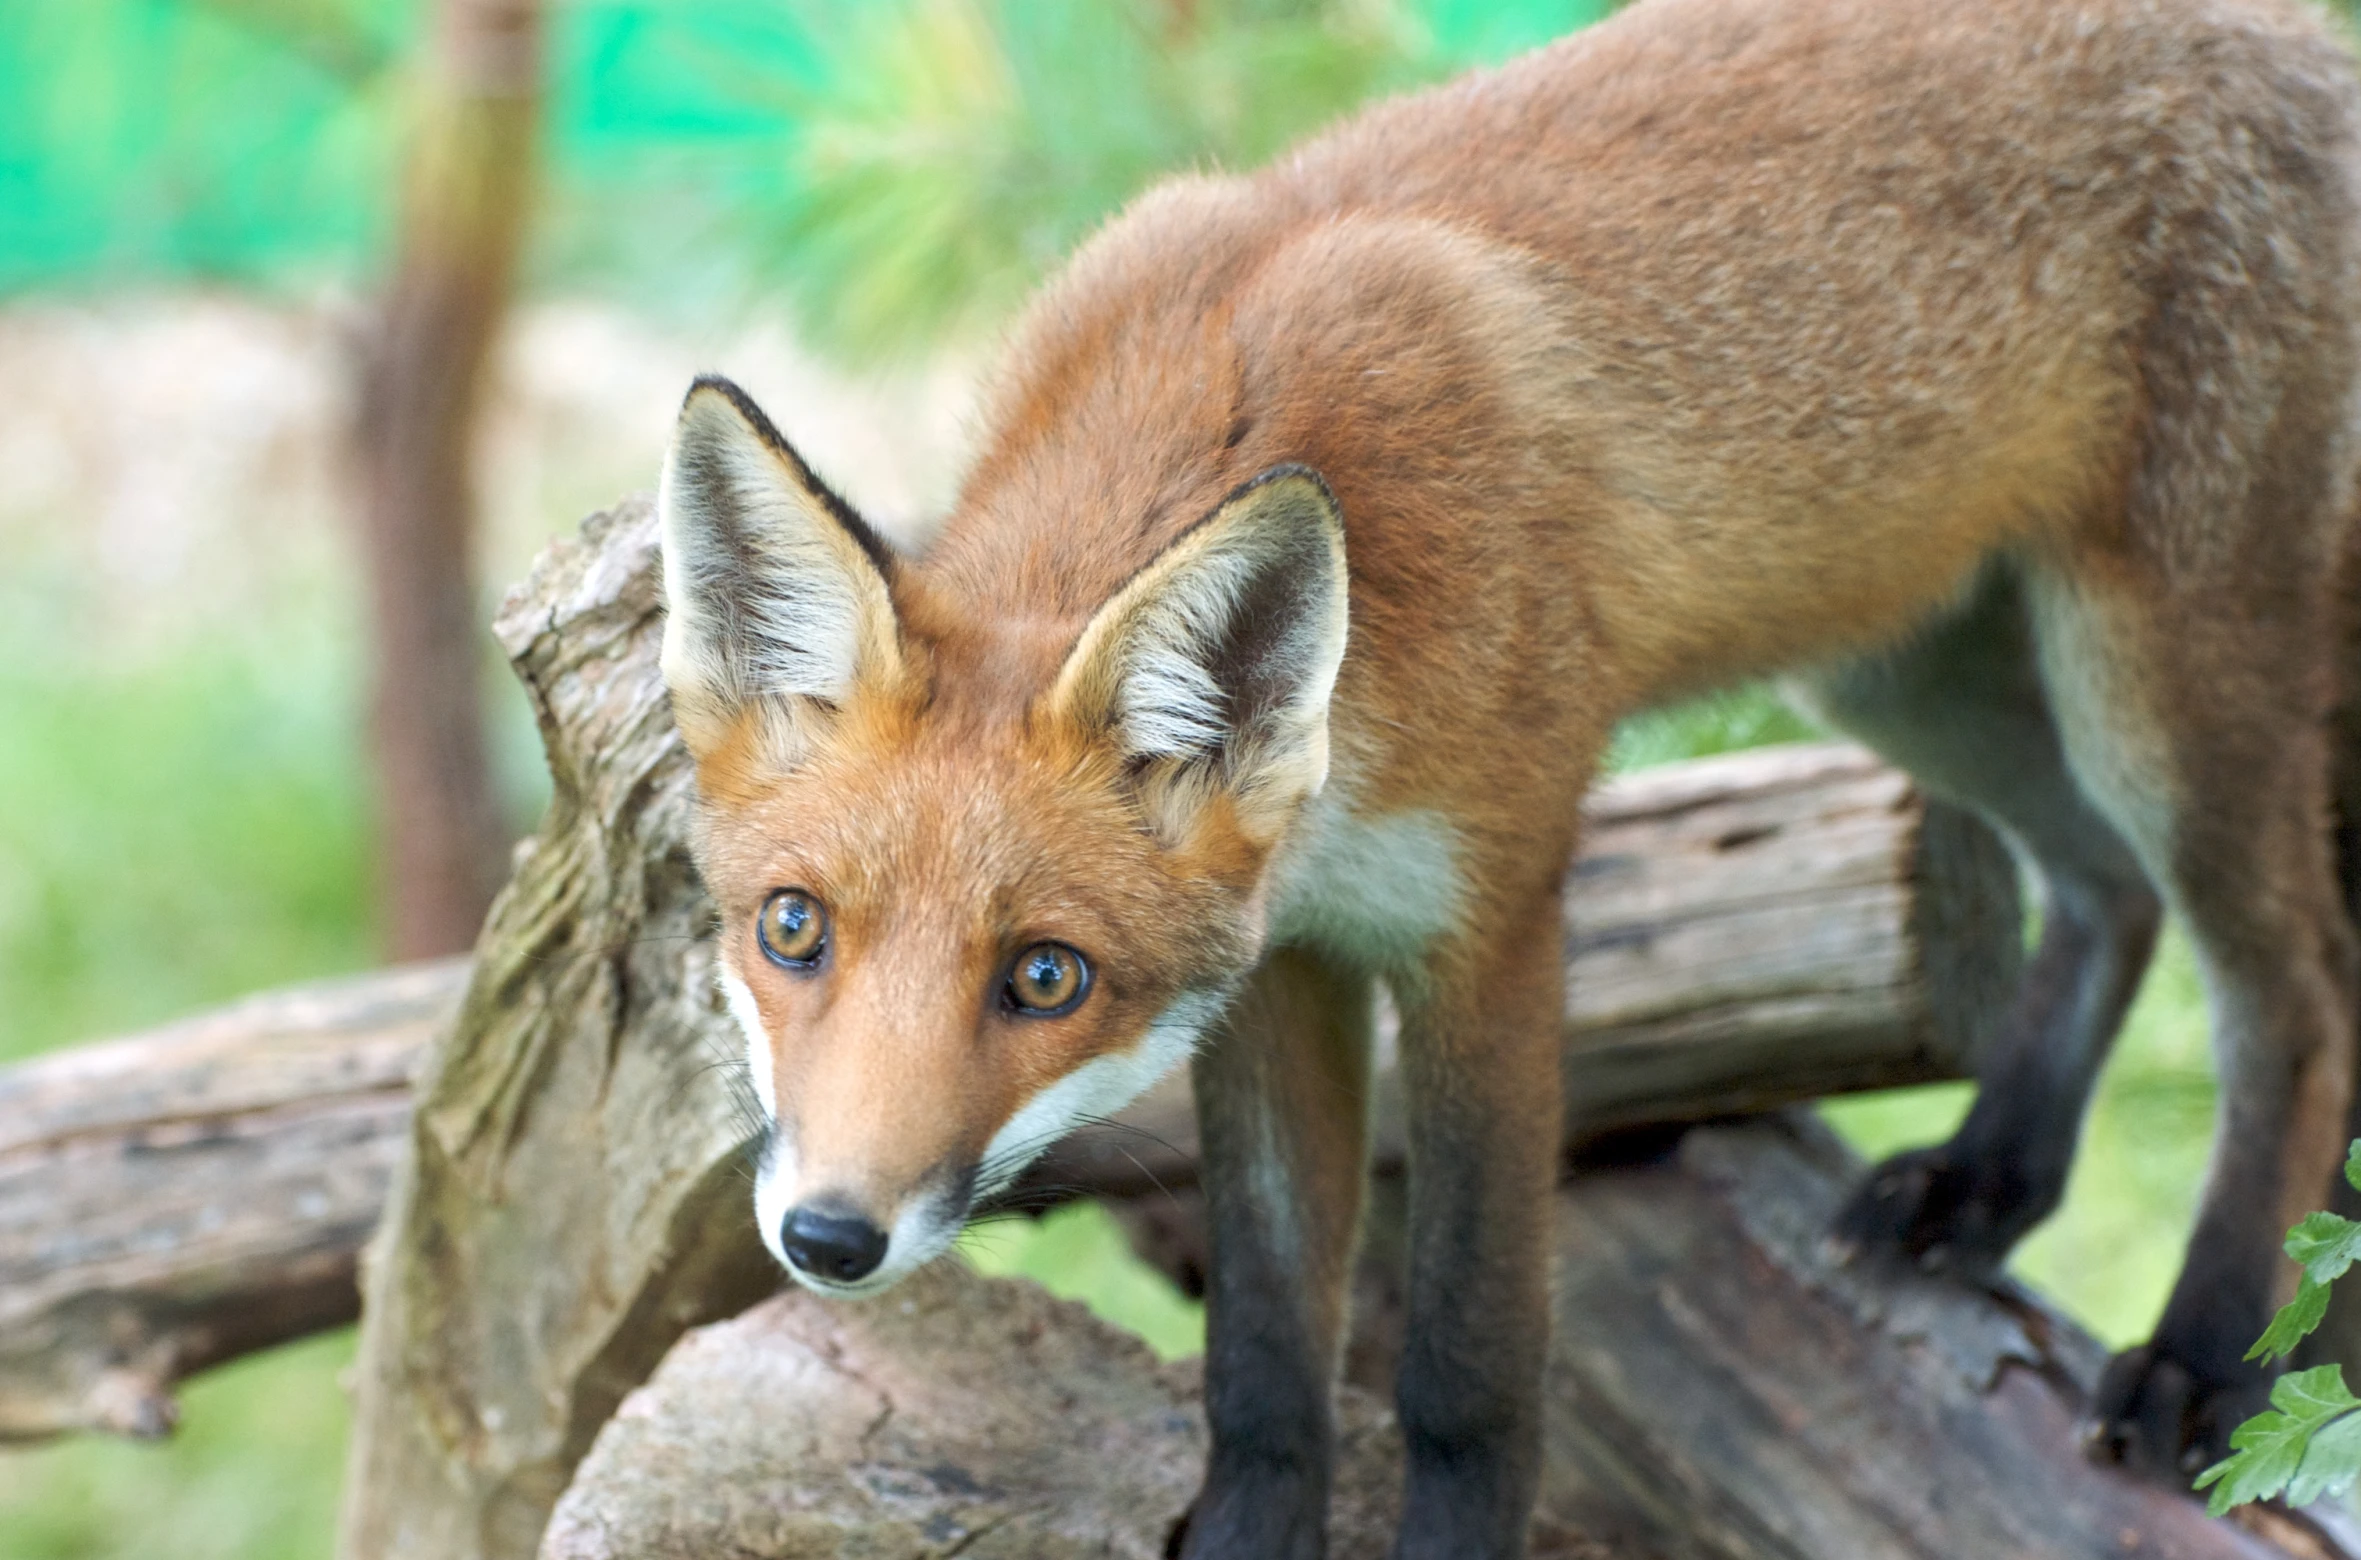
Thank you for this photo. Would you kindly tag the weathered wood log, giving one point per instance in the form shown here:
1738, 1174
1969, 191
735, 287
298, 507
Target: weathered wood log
575, 1200
1715, 1393
1741, 931
201, 1191
959, 1415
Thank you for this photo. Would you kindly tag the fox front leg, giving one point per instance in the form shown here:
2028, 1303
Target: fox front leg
1480, 1069
1282, 1090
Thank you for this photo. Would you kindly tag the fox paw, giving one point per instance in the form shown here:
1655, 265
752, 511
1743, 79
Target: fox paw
1930, 1211
2160, 1418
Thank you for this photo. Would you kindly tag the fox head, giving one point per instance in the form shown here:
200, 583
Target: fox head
978, 881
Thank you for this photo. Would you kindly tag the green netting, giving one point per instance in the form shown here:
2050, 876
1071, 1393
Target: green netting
147, 137
254, 139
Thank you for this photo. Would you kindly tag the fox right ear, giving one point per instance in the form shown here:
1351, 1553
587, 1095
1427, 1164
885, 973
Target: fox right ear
775, 592
1211, 669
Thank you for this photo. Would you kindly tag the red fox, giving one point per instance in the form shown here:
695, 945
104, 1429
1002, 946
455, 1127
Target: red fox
1990, 371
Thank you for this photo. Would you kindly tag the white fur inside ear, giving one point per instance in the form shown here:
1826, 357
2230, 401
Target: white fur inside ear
1216, 663
767, 595
1169, 702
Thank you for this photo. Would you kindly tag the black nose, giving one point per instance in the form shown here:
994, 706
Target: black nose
832, 1246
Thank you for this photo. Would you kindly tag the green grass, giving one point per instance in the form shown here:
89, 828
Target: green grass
176, 830
1078, 1252
1718, 723
172, 835
252, 1473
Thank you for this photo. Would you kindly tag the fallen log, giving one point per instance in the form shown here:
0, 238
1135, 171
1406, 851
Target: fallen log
1715, 1393
177, 1199
574, 1199
1742, 932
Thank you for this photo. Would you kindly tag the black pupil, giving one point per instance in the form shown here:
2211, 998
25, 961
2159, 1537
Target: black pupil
793, 914
1045, 978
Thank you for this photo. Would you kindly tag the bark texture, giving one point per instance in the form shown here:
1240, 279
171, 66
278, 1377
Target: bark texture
1716, 1393
467, 188
575, 1198
176, 1199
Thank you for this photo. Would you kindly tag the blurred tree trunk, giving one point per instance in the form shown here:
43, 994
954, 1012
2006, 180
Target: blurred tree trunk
467, 187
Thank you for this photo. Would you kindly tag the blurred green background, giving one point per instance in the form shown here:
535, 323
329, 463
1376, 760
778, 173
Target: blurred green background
192, 194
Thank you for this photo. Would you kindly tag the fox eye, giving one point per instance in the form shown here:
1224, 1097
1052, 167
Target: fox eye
792, 929
1047, 981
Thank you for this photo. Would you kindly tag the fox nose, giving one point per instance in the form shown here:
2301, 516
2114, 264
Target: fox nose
839, 1248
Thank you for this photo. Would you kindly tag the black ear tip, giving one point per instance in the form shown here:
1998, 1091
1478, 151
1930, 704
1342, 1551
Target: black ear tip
710, 393
717, 412
1291, 473
1296, 490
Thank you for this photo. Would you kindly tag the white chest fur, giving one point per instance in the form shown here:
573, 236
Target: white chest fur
1376, 891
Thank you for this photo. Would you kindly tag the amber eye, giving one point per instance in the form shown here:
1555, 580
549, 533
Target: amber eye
792, 928
1048, 979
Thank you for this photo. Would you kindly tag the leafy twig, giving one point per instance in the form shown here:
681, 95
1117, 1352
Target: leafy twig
2309, 1445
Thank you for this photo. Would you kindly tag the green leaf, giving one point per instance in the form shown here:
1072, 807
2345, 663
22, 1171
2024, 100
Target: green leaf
2270, 1447
2295, 1320
2353, 1165
2314, 1394
2330, 1463
2325, 1244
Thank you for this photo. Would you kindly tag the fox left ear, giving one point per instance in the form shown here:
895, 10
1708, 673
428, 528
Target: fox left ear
775, 593
1211, 669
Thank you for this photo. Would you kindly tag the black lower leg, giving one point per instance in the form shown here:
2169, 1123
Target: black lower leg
1267, 1401
2167, 1407
2282, 1028
2337, 1341
1480, 1067
1468, 1388
1280, 1101
1963, 1204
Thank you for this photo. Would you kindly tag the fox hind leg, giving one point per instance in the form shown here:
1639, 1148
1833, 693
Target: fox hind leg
1960, 705
2338, 1338
2192, 712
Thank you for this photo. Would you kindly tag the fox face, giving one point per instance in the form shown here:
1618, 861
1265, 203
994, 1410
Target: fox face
978, 879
